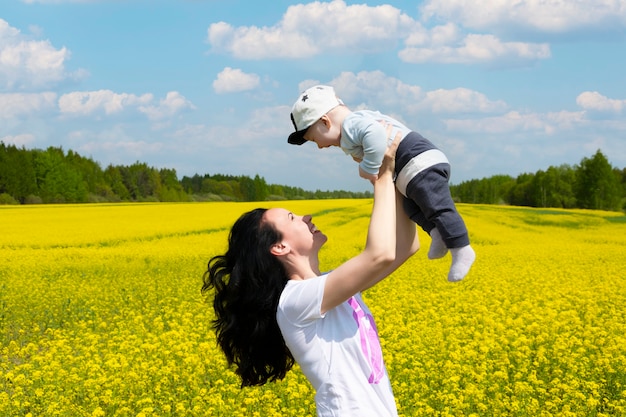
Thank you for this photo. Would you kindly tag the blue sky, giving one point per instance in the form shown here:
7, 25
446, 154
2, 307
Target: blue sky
206, 86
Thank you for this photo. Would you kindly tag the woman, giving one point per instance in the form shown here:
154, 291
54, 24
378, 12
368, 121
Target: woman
273, 305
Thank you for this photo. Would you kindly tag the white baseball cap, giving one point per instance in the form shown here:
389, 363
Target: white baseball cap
312, 104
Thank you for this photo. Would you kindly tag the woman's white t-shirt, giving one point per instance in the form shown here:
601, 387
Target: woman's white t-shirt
339, 351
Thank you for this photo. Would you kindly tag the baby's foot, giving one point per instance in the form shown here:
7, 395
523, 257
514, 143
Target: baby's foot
462, 260
438, 248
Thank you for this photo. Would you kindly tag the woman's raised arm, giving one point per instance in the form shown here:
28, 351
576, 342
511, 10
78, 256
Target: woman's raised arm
363, 270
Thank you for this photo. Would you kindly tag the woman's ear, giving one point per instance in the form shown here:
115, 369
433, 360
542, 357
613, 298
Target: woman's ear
279, 249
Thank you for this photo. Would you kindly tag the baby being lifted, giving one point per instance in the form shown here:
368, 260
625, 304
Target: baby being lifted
422, 170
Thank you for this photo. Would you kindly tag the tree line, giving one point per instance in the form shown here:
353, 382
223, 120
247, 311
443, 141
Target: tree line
592, 184
52, 175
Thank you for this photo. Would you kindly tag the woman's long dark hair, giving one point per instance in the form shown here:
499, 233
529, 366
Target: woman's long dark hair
247, 282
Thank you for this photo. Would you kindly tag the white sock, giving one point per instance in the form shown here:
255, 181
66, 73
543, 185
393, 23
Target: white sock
438, 248
462, 260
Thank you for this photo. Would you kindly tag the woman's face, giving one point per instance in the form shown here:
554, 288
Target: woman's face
298, 232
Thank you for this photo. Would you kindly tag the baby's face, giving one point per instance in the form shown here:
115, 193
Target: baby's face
324, 134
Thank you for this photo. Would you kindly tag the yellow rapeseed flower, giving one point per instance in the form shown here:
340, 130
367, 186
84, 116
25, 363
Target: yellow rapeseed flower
101, 314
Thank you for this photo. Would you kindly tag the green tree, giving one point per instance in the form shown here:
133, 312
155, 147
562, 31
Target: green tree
521, 194
115, 181
559, 187
248, 189
492, 190
90, 172
17, 172
58, 181
171, 188
277, 191
621, 176
192, 185
261, 190
141, 181
597, 187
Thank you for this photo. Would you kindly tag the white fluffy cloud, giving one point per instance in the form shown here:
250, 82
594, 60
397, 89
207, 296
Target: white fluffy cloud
515, 121
461, 100
83, 103
25, 104
232, 80
307, 29
448, 47
27, 63
25, 140
592, 100
375, 90
107, 101
548, 16
173, 103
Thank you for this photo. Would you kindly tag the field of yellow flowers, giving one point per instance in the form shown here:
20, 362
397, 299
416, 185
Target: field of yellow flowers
101, 314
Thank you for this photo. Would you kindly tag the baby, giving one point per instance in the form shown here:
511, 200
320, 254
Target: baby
422, 170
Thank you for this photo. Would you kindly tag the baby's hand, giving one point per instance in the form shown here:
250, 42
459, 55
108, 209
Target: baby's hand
371, 177
357, 159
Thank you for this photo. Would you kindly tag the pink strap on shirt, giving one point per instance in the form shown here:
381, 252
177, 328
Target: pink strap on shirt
370, 345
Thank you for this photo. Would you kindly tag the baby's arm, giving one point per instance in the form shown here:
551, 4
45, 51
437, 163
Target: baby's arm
372, 140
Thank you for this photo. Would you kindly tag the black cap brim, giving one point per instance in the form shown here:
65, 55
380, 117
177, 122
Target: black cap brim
297, 138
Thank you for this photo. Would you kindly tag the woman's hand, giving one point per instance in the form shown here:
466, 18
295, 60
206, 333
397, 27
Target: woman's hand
389, 160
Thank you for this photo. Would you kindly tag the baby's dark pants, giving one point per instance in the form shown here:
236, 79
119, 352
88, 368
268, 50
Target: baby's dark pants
428, 201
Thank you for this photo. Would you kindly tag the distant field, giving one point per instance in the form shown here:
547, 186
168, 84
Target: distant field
101, 314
